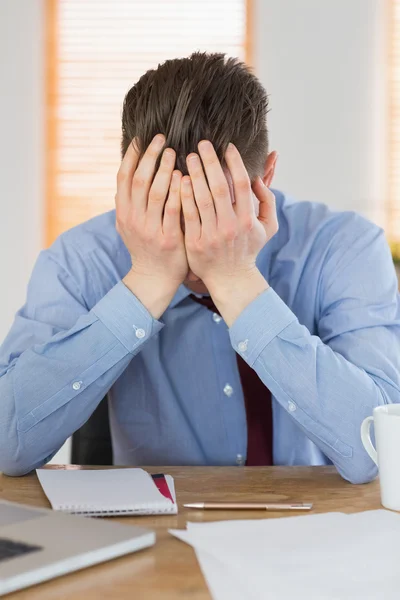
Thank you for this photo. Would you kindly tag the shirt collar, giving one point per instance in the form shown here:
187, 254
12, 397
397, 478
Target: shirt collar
181, 293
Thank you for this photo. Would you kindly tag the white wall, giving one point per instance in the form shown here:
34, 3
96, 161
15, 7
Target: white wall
22, 129
21, 149
323, 65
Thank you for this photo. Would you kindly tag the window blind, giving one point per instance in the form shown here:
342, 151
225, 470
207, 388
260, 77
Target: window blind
96, 50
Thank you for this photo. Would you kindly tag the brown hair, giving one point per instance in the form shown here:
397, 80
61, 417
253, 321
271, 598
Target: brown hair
204, 96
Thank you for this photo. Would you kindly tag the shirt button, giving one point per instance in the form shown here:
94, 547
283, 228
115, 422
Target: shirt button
228, 390
140, 333
216, 318
77, 385
242, 346
292, 407
240, 460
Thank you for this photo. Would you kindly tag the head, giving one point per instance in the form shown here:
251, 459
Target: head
204, 96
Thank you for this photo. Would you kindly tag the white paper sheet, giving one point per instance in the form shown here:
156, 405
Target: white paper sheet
317, 557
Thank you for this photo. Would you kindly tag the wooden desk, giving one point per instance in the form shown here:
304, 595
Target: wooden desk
170, 570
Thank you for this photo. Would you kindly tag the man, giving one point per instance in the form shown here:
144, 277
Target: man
302, 339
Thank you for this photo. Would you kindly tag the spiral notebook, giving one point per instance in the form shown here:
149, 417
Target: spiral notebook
108, 492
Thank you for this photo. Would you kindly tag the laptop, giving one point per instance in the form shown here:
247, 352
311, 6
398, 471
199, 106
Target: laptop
39, 544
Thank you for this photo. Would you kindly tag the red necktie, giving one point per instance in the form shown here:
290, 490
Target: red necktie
258, 404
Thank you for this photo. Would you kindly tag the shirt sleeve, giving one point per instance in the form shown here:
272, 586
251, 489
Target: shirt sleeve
330, 382
59, 360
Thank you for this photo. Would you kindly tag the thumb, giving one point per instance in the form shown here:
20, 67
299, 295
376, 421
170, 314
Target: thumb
267, 209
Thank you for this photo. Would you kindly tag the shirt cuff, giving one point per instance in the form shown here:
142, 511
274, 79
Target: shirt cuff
126, 317
258, 324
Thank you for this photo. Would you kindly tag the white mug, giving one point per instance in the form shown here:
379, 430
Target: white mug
387, 454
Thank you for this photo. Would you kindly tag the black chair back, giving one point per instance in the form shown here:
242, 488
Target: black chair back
91, 444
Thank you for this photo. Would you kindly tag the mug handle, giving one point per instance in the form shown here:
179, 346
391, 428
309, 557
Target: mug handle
366, 438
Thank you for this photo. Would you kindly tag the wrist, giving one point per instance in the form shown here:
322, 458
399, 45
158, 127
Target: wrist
153, 292
233, 294
221, 284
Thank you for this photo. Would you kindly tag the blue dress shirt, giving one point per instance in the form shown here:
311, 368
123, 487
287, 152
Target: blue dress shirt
325, 339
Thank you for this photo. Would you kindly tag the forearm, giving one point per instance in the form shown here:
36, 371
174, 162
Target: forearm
29, 442
52, 389
324, 393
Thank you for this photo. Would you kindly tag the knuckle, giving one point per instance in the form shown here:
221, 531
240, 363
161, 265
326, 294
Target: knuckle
173, 191
199, 245
243, 185
153, 152
175, 186
156, 197
191, 216
167, 243
138, 181
221, 190
168, 160
175, 236
211, 160
196, 170
165, 167
247, 223
206, 202
213, 242
121, 176
230, 233
171, 209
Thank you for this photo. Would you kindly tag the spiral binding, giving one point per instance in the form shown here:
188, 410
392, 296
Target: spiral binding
91, 509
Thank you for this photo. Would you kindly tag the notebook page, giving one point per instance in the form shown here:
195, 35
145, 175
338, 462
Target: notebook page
105, 490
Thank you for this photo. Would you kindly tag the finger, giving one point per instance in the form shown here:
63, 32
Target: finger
244, 206
217, 181
189, 208
172, 211
144, 173
202, 194
267, 208
125, 175
160, 187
